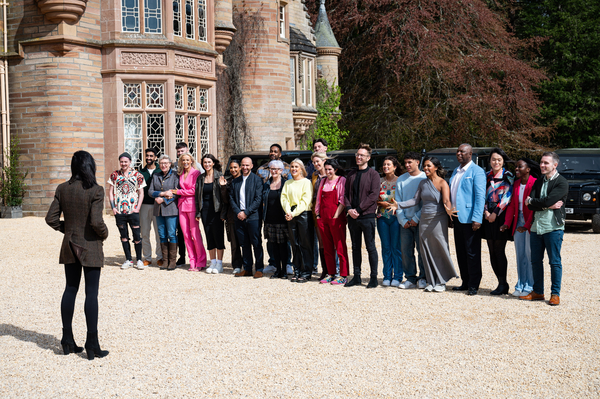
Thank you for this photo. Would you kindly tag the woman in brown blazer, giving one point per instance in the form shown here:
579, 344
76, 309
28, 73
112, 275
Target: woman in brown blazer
81, 201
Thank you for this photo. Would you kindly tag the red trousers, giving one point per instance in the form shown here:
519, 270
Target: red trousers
333, 235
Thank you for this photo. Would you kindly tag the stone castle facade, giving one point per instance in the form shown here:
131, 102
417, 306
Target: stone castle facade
124, 75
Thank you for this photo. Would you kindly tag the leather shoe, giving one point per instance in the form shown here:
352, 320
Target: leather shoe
554, 300
258, 274
355, 281
532, 296
472, 291
461, 288
243, 273
372, 282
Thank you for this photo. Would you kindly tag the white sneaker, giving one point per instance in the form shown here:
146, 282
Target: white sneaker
386, 283
517, 293
209, 269
140, 265
237, 270
395, 283
218, 268
290, 269
269, 269
429, 288
126, 265
422, 283
407, 285
440, 288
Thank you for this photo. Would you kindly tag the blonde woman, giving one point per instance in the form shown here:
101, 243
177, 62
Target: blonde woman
188, 175
296, 201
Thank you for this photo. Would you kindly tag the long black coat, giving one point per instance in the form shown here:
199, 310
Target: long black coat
83, 225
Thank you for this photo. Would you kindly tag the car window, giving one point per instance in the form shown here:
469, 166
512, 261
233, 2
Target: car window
579, 163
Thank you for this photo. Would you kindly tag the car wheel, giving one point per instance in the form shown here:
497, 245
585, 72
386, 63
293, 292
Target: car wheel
596, 223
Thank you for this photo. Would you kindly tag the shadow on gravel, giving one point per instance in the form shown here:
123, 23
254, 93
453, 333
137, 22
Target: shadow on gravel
44, 341
578, 227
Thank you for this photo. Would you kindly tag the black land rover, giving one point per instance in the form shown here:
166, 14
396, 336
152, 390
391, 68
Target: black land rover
581, 167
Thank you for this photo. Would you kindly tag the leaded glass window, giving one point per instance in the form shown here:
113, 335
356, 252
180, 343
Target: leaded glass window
203, 135
203, 100
303, 79
153, 16
192, 135
282, 21
293, 79
309, 82
179, 129
132, 95
133, 137
202, 20
178, 97
155, 132
177, 17
130, 16
189, 19
191, 98
155, 95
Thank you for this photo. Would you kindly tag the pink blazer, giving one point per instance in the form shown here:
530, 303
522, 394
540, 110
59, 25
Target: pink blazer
187, 192
512, 210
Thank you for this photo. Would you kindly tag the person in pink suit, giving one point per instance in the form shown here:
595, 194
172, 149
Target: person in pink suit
188, 175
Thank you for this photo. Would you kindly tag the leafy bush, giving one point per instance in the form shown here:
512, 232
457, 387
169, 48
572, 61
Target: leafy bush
12, 181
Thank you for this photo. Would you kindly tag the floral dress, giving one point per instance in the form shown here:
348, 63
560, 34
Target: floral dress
387, 192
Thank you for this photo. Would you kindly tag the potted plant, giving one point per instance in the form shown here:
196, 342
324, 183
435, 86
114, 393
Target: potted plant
12, 183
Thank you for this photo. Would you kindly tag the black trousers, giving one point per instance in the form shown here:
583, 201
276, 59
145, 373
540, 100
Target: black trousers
468, 252
301, 232
248, 232
358, 228
67, 305
236, 250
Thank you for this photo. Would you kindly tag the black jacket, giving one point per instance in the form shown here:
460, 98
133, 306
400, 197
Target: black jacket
558, 189
254, 190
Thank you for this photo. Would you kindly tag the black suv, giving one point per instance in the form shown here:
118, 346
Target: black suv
447, 157
581, 167
346, 158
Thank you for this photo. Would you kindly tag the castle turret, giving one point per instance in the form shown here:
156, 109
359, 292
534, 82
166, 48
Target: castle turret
328, 49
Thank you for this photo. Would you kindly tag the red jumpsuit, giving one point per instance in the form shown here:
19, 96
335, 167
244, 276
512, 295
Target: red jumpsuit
333, 231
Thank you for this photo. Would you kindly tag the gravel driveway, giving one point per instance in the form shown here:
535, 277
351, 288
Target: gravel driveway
185, 335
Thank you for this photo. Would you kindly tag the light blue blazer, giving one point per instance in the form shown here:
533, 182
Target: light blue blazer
470, 196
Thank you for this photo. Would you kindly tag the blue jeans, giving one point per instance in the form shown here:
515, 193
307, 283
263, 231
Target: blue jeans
167, 228
551, 243
523, 250
389, 234
409, 240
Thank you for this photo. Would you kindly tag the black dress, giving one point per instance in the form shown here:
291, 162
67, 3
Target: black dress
213, 225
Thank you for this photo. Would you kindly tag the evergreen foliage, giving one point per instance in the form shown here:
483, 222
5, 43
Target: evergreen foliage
12, 180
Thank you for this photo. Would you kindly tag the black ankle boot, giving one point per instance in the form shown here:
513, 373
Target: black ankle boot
372, 282
92, 346
502, 289
68, 342
355, 281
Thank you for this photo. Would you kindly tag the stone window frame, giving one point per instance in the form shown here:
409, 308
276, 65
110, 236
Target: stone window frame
286, 16
302, 62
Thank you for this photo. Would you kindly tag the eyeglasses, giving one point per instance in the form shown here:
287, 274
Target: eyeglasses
164, 163
274, 169
361, 155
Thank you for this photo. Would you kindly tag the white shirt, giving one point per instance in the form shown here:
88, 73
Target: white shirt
243, 193
455, 182
521, 193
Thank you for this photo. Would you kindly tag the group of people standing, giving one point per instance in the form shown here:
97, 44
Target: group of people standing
304, 211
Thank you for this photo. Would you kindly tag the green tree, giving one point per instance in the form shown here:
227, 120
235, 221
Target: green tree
326, 124
570, 54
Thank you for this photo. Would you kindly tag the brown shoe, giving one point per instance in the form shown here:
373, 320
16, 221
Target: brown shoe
147, 262
533, 297
243, 273
159, 262
554, 300
258, 275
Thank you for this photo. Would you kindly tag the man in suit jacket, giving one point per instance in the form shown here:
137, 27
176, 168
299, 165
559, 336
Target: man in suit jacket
467, 192
547, 200
245, 199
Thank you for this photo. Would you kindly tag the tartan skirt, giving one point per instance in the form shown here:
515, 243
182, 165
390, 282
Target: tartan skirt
277, 233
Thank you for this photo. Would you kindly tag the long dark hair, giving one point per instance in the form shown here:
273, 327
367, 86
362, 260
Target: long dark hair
336, 166
396, 164
534, 167
216, 162
441, 172
83, 167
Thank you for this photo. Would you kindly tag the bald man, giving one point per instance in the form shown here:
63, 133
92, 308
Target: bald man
467, 193
245, 199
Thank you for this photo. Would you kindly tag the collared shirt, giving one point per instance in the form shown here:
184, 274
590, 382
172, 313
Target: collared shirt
460, 172
544, 221
243, 193
126, 189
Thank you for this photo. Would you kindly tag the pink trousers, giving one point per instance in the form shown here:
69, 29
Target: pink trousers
193, 239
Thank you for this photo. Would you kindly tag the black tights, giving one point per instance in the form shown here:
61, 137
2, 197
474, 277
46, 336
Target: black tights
498, 259
67, 306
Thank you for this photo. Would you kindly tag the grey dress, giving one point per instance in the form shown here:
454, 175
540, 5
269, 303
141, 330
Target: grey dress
433, 234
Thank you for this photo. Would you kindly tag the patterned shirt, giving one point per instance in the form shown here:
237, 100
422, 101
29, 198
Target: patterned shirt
126, 189
499, 190
387, 192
